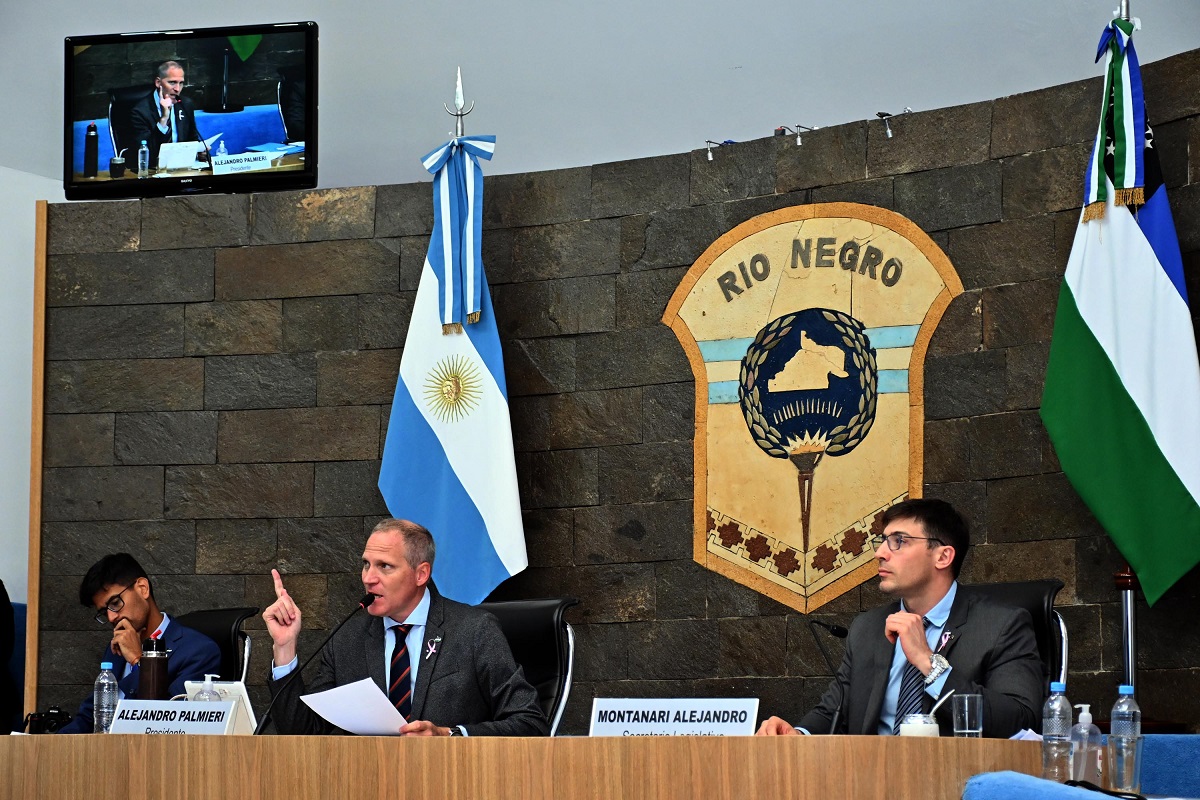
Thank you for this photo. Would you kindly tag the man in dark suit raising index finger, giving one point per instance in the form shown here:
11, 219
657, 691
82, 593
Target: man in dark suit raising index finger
446, 666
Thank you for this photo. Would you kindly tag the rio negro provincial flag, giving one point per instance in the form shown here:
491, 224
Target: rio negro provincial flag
1122, 396
448, 459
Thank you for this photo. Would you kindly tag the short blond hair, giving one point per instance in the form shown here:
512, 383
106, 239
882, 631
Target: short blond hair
418, 541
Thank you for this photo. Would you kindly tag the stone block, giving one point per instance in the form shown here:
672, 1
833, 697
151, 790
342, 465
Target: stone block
965, 385
633, 238
1096, 561
110, 279
1036, 508
1165, 637
1171, 143
93, 228
951, 197
1024, 561
639, 186
299, 434
942, 137
266, 381
579, 419
61, 611
309, 592
210, 220
234, 328
555, 308
674, 649
1046, 118
669, 413
537, 198
680, 590
737, 171
646, 473
550, 537
235, 547
1045, 182
602, 652
606, 592
642, 297
1026, 369
78, 440
1185, 208
751, 647
960, 329
1010, 444
676, 237
496, 250
947, 450
348, 488
168, 437
567, 250
558, 479
633, 533
412, 261
539, 366
970, 499
316, 215
306, 270
404, 209
320, 323
803, 655
727, 598
382, 320
102, 493
69, 657
114, 332
874, 192
630, 358
1086, 641
162, 547
239, 491
1019, 313
357, 377
331, 544
1194, 147
826, 157
1005, 252
1170, 86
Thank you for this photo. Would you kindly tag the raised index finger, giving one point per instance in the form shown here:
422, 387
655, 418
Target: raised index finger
279, 590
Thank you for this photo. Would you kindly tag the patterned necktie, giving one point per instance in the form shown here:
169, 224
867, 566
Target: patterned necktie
400, 691
912, 689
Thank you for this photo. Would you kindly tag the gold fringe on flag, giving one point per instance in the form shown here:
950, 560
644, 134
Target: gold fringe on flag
1093, 211
473, 317
1133, 196
453, 327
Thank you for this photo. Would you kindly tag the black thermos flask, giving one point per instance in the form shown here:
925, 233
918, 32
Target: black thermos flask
153, 683
91, 151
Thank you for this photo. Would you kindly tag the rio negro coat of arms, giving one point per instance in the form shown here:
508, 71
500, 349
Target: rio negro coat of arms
806, 329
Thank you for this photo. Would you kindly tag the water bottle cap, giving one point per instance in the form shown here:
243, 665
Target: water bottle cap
105, 665
1125, 689
1058, 686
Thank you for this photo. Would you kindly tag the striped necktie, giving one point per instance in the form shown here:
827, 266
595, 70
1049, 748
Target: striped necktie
400, 690
912, 690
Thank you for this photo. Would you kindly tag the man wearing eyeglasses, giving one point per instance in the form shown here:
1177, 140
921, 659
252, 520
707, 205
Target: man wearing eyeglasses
119, 591
944, 636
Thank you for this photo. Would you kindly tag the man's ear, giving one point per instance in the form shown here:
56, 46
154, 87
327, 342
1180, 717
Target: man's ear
423, 570
142, 587
945, 557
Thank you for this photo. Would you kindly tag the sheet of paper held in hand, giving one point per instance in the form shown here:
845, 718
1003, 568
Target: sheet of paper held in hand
359, 707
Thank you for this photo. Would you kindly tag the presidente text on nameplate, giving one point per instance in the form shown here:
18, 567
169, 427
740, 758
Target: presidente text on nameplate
807, 329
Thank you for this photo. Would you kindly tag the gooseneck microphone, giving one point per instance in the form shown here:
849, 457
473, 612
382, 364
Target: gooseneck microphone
362, 605
841, 633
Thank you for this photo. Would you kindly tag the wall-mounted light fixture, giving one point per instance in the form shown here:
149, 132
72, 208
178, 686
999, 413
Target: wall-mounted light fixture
784, 130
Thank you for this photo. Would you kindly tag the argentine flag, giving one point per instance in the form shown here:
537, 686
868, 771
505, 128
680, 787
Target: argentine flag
448, 459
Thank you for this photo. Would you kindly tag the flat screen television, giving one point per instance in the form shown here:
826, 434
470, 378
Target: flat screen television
219, 109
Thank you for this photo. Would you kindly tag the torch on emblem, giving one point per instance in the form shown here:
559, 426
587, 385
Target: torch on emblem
808, 388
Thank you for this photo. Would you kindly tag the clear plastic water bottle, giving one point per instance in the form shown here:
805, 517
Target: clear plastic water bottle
1056, 735
104, 698
144, 160
1125, 743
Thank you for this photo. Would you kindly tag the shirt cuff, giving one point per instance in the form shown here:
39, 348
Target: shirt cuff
462, 729
934, 689
279, 673
804, 731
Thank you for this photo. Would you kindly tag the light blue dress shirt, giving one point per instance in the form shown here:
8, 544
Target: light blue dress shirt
937, 617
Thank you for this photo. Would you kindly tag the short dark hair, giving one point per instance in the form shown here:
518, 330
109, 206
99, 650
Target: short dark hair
117, 569
418, 541
167, 66
940, 521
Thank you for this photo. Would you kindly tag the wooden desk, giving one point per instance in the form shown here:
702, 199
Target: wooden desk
296, 768
287, 163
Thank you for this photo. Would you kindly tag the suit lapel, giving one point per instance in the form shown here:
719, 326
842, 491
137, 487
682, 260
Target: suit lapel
376, 659
955, 623
881, 655
431, 648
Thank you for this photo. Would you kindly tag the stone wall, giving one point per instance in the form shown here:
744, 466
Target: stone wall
220, 368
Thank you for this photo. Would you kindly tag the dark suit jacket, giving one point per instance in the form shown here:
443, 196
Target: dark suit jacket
192, 656
145, 115
992, 651
471, 679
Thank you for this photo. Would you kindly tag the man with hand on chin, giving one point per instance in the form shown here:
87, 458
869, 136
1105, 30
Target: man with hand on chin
445, 666
164, 115
119, 590
939, 636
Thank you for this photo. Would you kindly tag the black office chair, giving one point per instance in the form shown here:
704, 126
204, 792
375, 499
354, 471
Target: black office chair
224, 626
120, 126
1036, 597
544, 645
290, 95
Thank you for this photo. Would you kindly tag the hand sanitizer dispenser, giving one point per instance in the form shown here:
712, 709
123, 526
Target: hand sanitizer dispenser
1085, 748
208, 693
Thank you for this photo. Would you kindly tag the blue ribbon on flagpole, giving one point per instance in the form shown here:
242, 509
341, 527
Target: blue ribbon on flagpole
454, 247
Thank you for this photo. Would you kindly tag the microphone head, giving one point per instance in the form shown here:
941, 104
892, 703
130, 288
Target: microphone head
839, 631
368, 598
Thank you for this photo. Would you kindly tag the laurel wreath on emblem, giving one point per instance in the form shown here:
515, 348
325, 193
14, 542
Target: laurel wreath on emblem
843, 438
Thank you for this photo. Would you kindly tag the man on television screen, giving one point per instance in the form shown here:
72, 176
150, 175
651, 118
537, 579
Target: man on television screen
164, 115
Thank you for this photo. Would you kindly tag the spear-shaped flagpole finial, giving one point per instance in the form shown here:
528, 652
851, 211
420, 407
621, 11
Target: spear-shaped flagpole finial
458, 112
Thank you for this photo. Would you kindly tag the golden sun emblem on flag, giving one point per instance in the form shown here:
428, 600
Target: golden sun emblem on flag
453, 388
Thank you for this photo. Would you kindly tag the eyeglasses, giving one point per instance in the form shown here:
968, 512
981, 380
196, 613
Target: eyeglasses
896, 540
114, 605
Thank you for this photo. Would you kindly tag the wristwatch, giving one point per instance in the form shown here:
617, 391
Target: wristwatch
455, 730
937, 665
